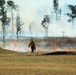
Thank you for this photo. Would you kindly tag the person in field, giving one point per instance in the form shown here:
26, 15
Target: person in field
32, 45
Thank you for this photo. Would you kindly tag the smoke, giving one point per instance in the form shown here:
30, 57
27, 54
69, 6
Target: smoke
16, 46
43, 46
21, 45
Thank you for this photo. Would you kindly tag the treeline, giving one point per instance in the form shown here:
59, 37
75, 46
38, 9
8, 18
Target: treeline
57, 11
5, 20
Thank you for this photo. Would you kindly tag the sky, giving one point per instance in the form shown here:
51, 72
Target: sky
33, 11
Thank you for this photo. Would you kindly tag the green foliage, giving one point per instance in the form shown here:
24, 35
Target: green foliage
18, 25
72, 15
12, 7
72, 8
57, 11
11, 4
3, 15
2, 2
56, 5
45, 23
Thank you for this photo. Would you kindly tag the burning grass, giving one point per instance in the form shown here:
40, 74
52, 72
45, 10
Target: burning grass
14, 63
42, 44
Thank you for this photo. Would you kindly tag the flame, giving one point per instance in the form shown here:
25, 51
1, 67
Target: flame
19, 47
57, 49
15, 44
41, 49
72, 49
66, 49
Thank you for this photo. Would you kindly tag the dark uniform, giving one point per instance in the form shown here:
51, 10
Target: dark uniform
32, 45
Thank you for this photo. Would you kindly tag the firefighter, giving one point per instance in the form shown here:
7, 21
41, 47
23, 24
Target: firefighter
32, 45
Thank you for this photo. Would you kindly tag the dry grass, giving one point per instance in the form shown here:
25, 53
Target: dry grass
12, 63
56, 43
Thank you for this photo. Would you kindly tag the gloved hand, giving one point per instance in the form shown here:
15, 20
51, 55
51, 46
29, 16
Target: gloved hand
28, 45
35, 48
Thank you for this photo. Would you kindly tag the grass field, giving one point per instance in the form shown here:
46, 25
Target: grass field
38, 63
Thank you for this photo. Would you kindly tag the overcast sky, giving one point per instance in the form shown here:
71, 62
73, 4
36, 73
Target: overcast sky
34, 11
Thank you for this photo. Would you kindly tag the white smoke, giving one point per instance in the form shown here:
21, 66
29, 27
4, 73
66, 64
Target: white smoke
22, 46
15, 46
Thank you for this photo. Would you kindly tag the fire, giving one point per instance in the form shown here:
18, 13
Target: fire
18, 46
66, 49
15, 44
22, 46
57, 49
72, 49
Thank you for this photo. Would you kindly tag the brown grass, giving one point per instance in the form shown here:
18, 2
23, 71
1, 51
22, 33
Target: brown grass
37, 64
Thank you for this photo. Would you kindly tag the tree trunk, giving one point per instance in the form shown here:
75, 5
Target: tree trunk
17, 35
46, 32
73, 22
56, 16
3, 28
12, 21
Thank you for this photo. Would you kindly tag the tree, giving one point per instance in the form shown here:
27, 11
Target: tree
3, 17
45, 23
63, 32
72, 15
18, 25
2, 3
12, 6
18, 22
57, 11
31, 26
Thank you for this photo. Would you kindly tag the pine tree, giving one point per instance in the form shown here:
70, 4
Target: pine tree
3, 17
45, 23
12, 7
57, 11
72, 15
